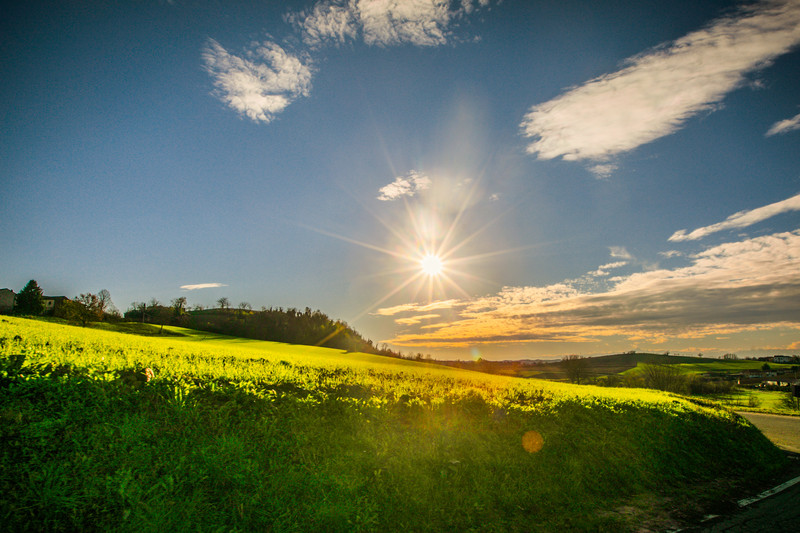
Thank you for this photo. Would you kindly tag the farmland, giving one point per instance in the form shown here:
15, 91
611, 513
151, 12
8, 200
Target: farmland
195, 431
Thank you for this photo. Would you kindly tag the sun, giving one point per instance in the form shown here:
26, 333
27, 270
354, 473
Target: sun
431, 265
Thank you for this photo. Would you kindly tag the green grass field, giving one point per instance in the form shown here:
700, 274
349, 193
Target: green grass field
240, 435
716, 366
758, 401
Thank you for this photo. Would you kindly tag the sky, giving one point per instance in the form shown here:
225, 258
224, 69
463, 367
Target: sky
465, 179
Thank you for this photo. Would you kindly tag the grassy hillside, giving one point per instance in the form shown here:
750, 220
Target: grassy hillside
108, 431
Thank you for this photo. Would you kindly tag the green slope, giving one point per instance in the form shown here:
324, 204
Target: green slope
242, 435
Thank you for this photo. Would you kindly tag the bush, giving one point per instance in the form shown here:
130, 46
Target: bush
665, 377
790, 402
699, 386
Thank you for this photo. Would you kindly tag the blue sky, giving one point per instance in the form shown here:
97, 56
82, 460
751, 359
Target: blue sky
593, 177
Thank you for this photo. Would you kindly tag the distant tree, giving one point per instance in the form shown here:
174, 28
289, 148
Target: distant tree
223, 303
85, 308
179, 305
104, 303
575, 367
161, 315
29, 300
765, 367
136, 311
664, 377
730, 356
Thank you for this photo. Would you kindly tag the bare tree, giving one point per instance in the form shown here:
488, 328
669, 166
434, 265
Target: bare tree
223, 303
104, 302
664, 377
244, 306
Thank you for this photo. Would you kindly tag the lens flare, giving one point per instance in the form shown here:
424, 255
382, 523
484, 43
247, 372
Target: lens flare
532, 441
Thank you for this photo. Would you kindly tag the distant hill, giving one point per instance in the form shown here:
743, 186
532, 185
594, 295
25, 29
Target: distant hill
602, 365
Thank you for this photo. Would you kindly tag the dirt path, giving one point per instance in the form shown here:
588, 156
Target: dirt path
784, 431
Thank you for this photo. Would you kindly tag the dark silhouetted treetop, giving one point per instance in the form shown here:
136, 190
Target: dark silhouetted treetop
29, 300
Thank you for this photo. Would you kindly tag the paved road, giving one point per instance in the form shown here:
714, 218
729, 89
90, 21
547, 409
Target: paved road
777, 513
784, 431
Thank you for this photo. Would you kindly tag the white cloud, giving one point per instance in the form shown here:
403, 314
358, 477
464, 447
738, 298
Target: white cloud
603, 170
741, 219
390, 22
670, 254
408, 185
262, 83
658, 91
328, 23
620, 252
469, 5
602, 270
785, 126
381, 22
202, 286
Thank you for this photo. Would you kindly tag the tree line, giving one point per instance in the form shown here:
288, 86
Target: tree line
307, 327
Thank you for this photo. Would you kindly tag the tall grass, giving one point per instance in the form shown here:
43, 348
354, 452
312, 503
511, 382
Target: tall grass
239, 435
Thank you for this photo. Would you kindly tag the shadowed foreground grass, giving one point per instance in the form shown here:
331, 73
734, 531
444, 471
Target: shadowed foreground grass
246, 439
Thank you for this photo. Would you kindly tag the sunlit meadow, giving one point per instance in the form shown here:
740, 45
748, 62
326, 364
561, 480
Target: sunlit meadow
203, 432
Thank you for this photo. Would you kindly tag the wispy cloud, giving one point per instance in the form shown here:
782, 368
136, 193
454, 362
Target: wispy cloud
410, 321
408, 185
784, 126
381, 22
659, 90
619, 252
602, 270
390, 22
260, 84
202, 286
416, 308
603, 170
753, 284
328, 23
741, 219
670, 254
